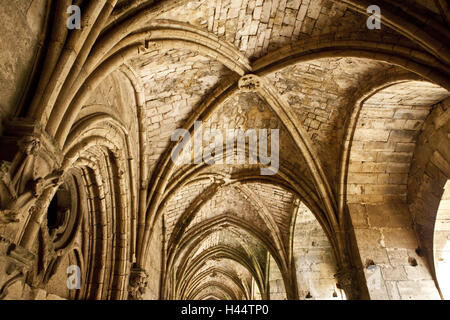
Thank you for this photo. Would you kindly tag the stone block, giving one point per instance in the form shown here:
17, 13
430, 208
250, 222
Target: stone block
400, 238
418, 290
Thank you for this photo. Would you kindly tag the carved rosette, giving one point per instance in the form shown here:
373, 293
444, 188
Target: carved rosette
250, 83
137, 284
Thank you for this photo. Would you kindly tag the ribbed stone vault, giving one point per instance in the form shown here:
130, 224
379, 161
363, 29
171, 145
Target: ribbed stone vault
95, 172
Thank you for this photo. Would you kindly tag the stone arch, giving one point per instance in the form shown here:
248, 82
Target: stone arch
441, 244
223, 252
199, 231
314, 261
377, 183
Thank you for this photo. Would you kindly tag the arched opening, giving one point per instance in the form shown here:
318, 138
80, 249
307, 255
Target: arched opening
315, 263
228, 255
388, 127
441, 243
277, 289
63, 219
58, 212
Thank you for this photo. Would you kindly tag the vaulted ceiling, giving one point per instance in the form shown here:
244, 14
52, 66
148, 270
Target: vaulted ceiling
222, 221
304, 67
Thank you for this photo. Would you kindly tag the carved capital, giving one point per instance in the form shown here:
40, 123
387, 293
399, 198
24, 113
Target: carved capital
250, 83
37, 187
347, 280
137, 284
58, 178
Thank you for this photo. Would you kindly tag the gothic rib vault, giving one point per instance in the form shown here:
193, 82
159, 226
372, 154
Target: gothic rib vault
357, 209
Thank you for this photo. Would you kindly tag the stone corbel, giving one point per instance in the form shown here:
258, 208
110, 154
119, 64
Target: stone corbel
18, 205
137, 284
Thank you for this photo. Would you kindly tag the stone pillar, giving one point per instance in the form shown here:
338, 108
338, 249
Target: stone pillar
393, 267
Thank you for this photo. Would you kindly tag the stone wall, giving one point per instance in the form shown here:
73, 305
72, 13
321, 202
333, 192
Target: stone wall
314, 261
430, 171
153, 265
388, 246
20, 37
276, 285
441, 244
386, 167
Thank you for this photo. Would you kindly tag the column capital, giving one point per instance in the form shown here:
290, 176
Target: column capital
347, 280
137, 283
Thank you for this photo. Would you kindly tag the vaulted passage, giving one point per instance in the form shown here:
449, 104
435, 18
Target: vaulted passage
224, 150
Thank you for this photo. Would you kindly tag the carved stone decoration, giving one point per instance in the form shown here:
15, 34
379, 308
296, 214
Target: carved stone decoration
149, 46
5, 179
22, 170
63, 220
22, 258
20, 189
137, 284
20, 262
37, 187
51, 249
16, 200
49, 258
8, 196
29, 145
250, 83
4, 288
9, 216
347, 280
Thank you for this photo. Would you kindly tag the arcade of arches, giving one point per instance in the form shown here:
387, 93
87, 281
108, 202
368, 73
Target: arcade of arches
92, 206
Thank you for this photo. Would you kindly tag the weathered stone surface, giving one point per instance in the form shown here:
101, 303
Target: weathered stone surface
22, 22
